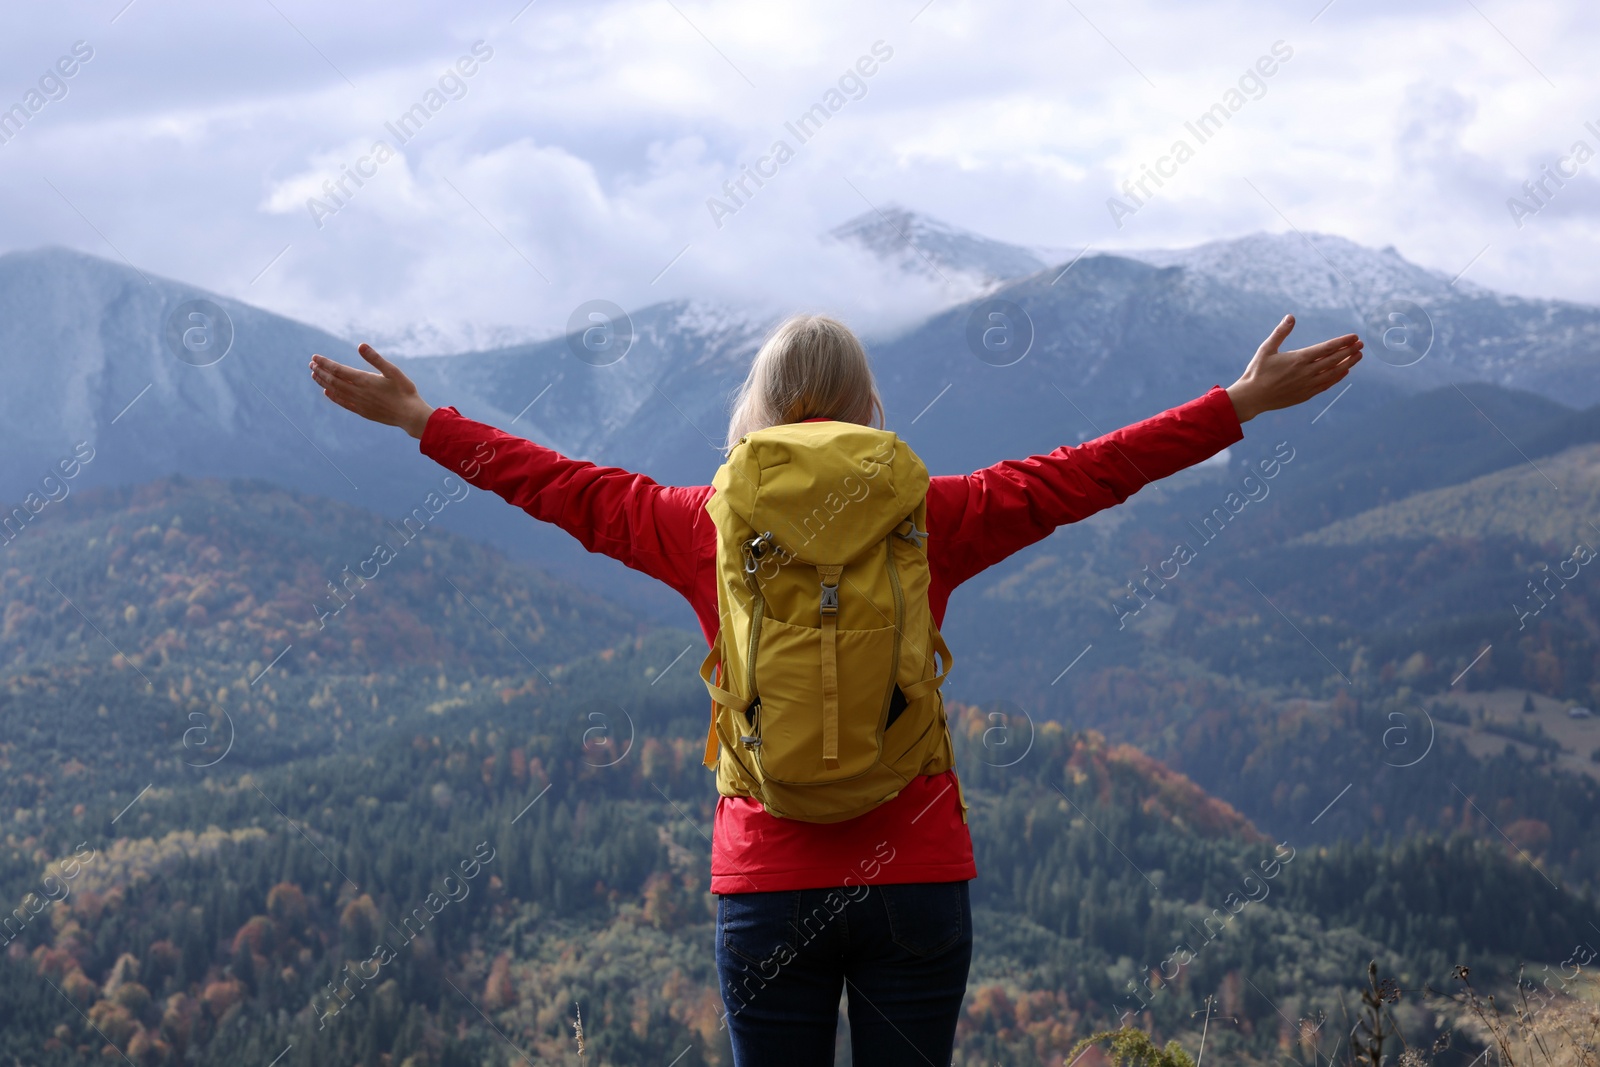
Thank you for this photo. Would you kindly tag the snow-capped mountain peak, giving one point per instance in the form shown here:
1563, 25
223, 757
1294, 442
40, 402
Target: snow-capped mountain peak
920, 244
1314, 270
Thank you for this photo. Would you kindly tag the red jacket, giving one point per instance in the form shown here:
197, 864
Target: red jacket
974, 521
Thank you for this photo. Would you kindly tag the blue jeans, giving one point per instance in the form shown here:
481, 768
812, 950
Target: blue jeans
900, 951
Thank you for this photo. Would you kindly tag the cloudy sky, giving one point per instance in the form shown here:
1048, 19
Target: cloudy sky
561, 152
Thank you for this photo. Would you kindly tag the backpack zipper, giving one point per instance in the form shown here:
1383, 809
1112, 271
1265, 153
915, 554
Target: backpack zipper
754, 549
899, 632
757, 611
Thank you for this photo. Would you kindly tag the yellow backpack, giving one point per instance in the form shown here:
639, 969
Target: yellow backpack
824, 680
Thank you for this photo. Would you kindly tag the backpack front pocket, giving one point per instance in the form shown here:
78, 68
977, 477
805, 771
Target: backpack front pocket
788, 677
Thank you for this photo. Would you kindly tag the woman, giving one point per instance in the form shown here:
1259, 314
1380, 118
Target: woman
877, 905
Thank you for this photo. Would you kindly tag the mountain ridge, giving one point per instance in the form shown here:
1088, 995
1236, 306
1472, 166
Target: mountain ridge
1115, 338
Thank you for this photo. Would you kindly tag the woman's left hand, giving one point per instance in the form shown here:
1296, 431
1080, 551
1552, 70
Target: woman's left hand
1277, 379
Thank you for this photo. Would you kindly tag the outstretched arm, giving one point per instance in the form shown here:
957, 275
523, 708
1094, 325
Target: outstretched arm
988, 515
649, 527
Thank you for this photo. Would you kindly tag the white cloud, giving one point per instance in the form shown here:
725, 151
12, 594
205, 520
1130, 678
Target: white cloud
588, 145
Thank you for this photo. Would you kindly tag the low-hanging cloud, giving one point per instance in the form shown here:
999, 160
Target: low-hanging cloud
577, 164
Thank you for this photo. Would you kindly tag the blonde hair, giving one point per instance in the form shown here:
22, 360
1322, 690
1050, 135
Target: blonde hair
810, 367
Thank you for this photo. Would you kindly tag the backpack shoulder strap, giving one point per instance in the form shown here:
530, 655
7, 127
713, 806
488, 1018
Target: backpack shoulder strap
719, 695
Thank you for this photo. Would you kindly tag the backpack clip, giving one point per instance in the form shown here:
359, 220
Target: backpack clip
830, 598
908, 530
754, 549
757, 548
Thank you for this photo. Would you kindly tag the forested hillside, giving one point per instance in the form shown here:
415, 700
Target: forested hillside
503, 869
429, 818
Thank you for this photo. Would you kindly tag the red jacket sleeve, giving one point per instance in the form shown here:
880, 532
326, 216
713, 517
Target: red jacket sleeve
649, 527
979, 519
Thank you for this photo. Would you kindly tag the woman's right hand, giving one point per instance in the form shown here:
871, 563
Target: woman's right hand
1277, 379
388, 397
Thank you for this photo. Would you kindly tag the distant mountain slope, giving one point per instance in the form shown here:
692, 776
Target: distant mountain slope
1553, 500
181, 571
87, 365
662, 407
148, 635
1108, 342
1412, 528
1545, 346
1114, 339
1319, 270
85, 356
1415, 443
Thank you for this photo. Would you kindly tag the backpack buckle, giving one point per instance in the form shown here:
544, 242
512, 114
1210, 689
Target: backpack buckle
908, 531
830, 599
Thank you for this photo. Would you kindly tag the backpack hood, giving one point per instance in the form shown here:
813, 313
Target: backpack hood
825, 490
